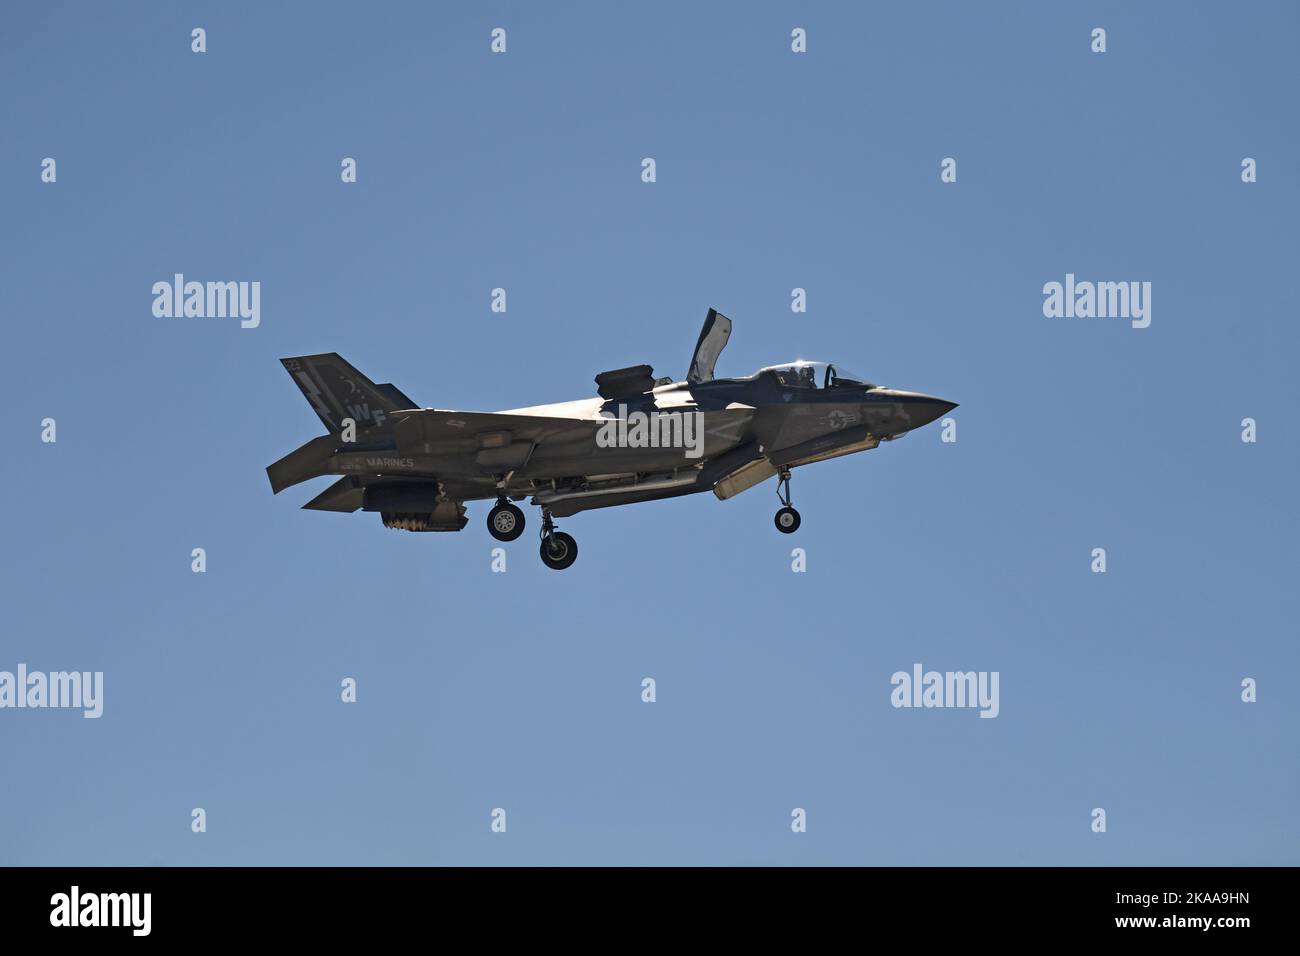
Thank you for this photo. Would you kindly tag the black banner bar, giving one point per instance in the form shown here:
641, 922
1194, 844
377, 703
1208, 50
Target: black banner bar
205, 905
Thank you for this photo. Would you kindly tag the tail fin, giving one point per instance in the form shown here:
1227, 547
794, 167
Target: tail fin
337, 391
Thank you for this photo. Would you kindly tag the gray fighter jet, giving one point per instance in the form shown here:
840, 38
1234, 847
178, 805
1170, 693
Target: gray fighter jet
641, 439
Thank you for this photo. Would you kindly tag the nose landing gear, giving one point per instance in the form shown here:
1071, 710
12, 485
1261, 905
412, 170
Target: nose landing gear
787, 519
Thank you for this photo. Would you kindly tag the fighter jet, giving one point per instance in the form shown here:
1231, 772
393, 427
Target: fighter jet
640, 438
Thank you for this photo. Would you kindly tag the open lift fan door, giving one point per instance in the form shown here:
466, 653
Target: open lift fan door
713, 339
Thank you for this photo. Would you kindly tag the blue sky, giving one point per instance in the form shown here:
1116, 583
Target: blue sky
775, 170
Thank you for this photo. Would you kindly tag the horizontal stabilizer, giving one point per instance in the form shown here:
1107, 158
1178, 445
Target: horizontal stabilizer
345, 495
306, 461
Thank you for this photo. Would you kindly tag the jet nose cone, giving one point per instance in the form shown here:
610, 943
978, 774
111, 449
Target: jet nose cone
923, 409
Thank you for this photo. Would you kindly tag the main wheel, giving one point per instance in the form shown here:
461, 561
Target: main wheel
787, 521
505, 522
559, 550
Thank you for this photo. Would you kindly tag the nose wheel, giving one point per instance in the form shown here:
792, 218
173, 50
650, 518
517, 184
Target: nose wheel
505, 522
787, 519
558, 550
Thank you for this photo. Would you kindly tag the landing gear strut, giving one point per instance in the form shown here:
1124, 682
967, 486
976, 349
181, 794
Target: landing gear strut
559, 550
505, 522
787, 519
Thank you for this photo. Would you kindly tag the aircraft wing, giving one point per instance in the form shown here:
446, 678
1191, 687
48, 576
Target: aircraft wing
499, 441
497, 438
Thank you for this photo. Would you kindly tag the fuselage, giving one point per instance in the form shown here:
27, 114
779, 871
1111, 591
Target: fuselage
727, 414
759, 408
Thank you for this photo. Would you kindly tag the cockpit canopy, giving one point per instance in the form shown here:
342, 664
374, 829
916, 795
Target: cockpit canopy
803, 374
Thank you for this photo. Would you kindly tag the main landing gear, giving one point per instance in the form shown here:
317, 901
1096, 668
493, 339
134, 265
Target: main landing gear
559, 550
787, 519
505, 522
